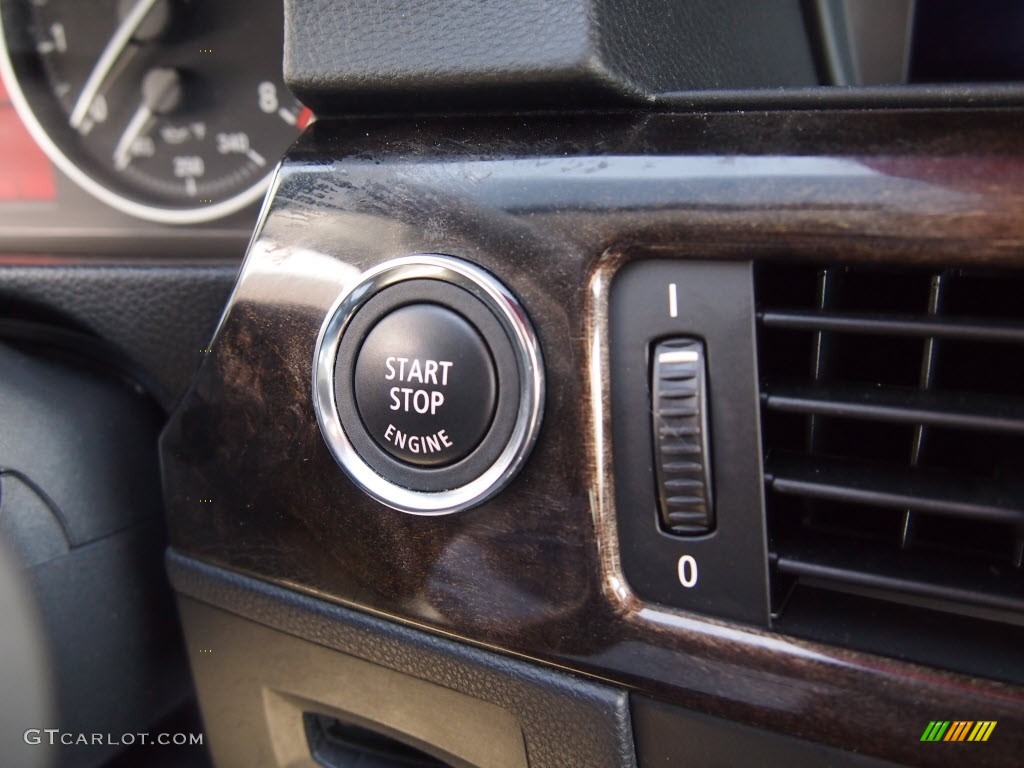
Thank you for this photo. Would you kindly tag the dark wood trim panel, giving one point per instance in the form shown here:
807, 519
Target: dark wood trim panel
553, 207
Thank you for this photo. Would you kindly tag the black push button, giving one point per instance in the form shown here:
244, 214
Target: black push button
425, 386
680, 424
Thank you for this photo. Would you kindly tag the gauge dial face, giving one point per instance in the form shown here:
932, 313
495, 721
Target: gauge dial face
171, 110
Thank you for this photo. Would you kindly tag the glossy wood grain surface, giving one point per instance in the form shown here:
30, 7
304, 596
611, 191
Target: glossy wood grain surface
553, 207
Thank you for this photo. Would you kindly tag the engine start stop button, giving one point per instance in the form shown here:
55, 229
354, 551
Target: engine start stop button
425, 386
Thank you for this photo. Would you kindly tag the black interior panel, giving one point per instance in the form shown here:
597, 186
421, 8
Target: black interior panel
564, 720
160, 316
417, 56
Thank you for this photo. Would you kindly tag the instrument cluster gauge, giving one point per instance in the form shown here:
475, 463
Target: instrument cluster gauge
169, 110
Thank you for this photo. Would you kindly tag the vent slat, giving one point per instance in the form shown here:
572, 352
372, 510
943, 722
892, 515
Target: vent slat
821, 477
845, 563
922, 326
892, 415
928, 407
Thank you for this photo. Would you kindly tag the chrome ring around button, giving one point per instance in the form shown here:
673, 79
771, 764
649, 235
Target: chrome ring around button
529, 364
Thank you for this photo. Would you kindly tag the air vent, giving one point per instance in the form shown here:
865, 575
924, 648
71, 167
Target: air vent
893, 425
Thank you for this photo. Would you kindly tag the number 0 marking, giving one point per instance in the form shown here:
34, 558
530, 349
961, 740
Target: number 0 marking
688, 571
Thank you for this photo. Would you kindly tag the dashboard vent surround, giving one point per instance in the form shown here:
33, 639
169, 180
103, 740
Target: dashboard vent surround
893, 427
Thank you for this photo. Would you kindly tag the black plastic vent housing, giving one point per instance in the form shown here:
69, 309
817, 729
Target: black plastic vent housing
892, 406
